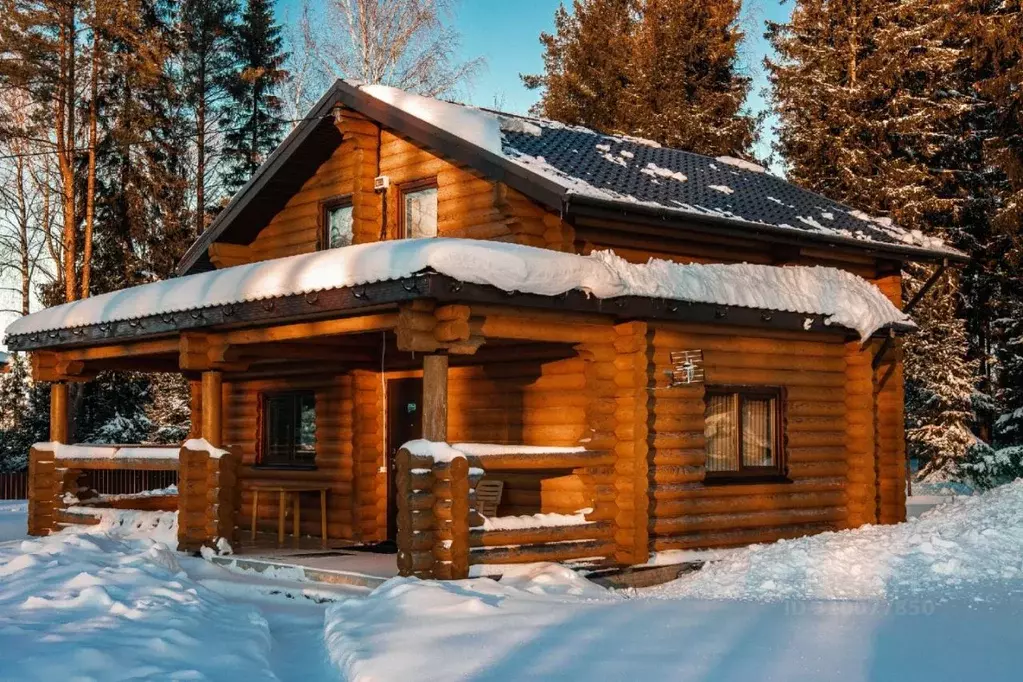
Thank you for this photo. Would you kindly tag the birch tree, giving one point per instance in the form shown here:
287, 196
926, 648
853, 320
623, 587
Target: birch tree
407, 44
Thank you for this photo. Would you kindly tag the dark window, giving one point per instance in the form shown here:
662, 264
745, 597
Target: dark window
419, 209
289, 429
743, 432
338, 220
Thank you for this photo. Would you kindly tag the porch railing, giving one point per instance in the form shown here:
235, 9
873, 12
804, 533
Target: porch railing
61, 476
440, 533
14, 486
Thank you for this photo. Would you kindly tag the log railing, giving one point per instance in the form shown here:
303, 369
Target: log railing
440, 533
206, 480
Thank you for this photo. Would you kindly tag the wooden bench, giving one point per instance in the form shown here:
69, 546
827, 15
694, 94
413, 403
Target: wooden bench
295, 490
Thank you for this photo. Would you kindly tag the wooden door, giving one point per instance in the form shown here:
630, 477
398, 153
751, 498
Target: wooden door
404, 423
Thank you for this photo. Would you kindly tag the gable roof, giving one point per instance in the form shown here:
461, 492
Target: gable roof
572, 170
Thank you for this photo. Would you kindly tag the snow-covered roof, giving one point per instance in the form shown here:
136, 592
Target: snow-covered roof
630, 170
841, 297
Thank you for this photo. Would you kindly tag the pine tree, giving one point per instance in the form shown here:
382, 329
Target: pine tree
685, 90
875, 103
41, 56
14, 385
252, 124
142, 221
587, 66
660, 69
996, 51
207, 64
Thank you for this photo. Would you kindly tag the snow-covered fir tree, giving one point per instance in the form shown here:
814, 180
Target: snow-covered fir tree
876, 110
940, 383
660, 69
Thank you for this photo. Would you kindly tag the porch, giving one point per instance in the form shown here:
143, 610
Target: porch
496, 374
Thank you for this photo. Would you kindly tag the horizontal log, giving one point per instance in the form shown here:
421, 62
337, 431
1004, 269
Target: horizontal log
738, 537
528, 536
719, 522
549, 552
745, 503
525, 461
120, 463
689, 490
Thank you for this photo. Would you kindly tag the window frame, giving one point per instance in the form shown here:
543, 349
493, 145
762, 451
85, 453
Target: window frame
326, 206
263, 431
776, 473
411, 187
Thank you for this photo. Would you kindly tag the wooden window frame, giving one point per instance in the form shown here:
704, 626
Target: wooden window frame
325, 206
406, 188
777, 473
263, 432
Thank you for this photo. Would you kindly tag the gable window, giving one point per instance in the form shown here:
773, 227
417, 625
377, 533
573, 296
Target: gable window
289, 429
743, 432
338, 219
419, 209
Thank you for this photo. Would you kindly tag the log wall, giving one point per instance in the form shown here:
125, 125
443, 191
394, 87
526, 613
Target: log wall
334, 453
687, 513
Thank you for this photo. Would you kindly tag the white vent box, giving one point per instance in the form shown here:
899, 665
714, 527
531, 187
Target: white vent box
381, 182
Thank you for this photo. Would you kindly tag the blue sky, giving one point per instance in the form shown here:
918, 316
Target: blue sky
506, 33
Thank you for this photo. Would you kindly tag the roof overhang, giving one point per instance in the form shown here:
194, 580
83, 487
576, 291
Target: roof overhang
534, 185
366, 298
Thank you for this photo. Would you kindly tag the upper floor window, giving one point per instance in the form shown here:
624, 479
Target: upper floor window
338, 219
419, 209
743, 432
289, 429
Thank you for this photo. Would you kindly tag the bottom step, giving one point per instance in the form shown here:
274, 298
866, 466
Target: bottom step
296, 572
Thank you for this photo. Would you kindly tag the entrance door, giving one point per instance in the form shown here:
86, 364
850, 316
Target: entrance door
404, 423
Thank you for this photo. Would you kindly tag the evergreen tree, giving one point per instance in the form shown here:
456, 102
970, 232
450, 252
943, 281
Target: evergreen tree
685, 89
996, 51
939, 386
253, 125
206, 28
661, 69
587, 66
142, 222
14, 387
876, 110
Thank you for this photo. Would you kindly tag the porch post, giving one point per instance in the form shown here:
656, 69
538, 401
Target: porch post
435, 396
212, 381
58, 412
195, 408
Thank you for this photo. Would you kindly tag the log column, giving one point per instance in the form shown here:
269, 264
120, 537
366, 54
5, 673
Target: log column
632, 381
59, 412
195, 409
435, 397
861, 485
212, 407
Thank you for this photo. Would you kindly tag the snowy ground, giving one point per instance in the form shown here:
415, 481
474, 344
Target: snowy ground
938, 598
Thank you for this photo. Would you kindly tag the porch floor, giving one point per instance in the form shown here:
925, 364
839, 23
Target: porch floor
340, 563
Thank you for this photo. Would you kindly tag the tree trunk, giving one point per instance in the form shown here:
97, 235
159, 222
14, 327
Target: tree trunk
90, 198
200, 162
65, 136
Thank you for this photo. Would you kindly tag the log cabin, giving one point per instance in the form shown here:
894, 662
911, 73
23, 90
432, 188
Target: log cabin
412, 300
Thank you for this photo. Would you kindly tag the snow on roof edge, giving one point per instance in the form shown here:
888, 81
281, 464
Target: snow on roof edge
841, 297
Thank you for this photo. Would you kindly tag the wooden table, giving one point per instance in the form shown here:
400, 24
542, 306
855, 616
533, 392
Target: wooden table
283, 490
